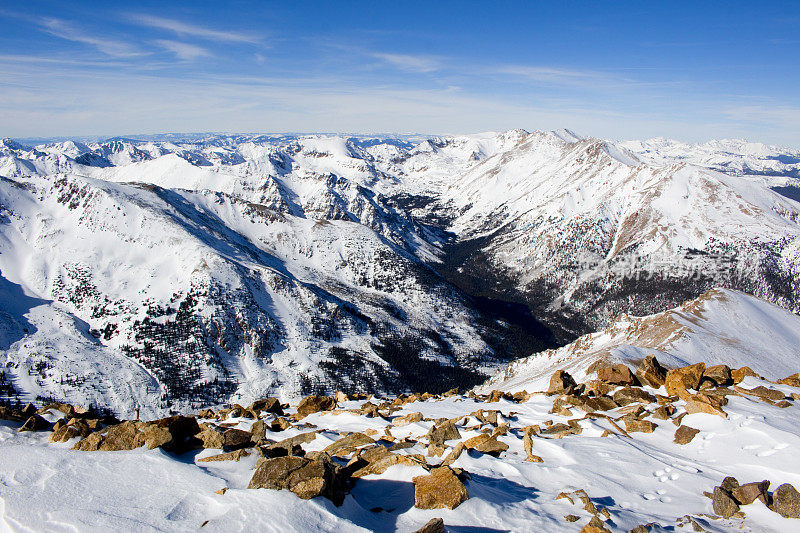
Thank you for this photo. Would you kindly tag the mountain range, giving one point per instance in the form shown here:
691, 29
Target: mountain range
168, 273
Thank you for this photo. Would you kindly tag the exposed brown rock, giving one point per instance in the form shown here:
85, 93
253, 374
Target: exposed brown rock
307, 477
685, 378
739, 374
762, 392
694, 405
35, 423
210, 437
486, 417
228, 456
486, 444
561, 383
629, 395
349, 444
314, 404
280, 424
558, 431
616, 375
786, 501
599, 403
407, 419
651, 373
440, 434
636, 425
572, 518
376, 460
724, 504
64, 433
270, 405
441, 489
750, 492
454, 454
719, 375
664, 412
729, 484
234, 439
434, 525
595, 525
792, 381
685, 434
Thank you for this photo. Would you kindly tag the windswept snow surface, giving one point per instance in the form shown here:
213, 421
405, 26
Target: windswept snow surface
640, 480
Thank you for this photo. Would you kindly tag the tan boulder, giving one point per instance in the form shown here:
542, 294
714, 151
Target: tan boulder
487, 444
434, 525
441, 489
561, 383
308, 477
228, 456
376, 460
750, 492
739, 374
348, 444
442, 433
792, 381
210, 437
685, 434
786, 501
314, 404
616, 375
651, 373
407, 419
719, 375
34, 423
641, 426
685, 378
629, 395
694, 406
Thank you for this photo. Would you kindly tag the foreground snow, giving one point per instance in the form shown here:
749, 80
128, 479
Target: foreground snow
639, 480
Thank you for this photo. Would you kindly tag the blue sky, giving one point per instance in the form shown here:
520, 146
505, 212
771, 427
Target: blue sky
607, 69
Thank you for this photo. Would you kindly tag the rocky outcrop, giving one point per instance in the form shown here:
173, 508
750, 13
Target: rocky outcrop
441, 489
307, 477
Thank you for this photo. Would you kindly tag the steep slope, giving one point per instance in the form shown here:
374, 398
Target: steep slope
719, 327
217, 298
581, 230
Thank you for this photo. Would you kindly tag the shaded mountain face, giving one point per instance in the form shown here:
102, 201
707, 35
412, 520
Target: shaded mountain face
169, 274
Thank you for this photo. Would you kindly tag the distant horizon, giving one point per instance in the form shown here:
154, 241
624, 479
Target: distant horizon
143, 137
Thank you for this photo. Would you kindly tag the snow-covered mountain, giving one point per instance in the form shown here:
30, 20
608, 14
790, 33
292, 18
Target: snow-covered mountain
719, 327
175, 272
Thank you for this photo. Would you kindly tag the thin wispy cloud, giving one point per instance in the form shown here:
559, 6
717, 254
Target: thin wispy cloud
184, 29
410, 62
111, 47
184, 51
560, 75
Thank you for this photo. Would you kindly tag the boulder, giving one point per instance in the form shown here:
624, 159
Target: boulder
724, 504
629, 395
651, 373
739, 374
616, 375
719, 375
441, 489
694, 405
407, 419
729, 484
235, 439
685, 434
792, 381
314, 404
349, 444
290, 446
599, 403
786, 501
595, 525
307, 477
270, 405
487, 444
561, 383
35, 423
210, 437
440, 434
258, 431
750, 492
64, 433
454, 454
228, 456
763, 392
680, 379
486, 417
558, 431
434, 525
636, 425
376, 460
280, 424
